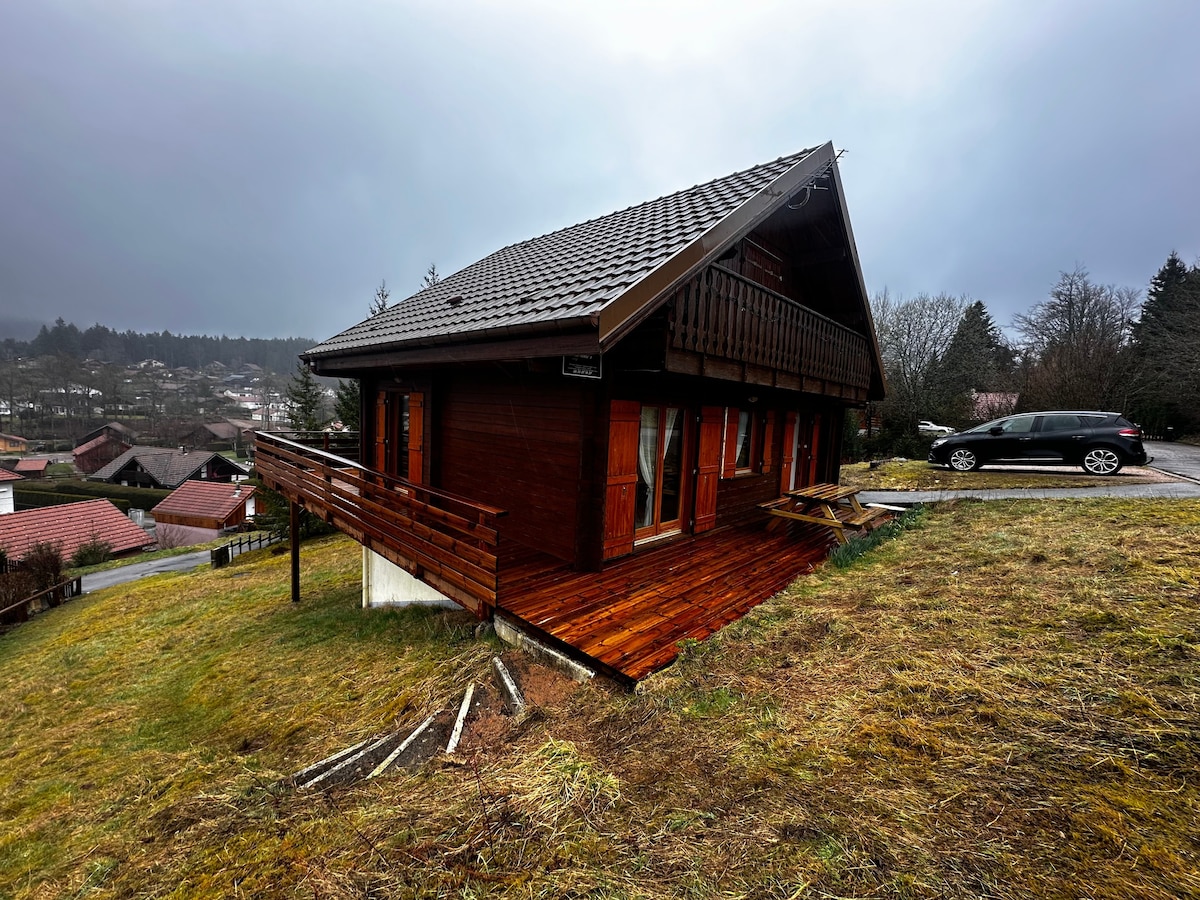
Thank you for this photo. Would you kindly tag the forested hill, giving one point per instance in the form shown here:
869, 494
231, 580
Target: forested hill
175, 350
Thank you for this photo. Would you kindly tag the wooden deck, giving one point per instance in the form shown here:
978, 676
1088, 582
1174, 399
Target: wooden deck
630, 617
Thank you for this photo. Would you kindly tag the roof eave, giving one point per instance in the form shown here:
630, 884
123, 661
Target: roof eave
547, 328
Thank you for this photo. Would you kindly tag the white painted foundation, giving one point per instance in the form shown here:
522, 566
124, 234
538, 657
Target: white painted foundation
386, 584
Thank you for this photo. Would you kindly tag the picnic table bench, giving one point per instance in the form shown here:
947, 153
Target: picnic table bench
831, 505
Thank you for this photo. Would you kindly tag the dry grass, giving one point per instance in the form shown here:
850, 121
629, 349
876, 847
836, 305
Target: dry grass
918, 475
1003, 702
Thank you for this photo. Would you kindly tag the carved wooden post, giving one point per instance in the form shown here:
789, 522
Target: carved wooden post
295, 525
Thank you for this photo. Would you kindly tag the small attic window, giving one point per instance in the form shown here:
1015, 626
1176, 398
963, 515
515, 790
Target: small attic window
456, 300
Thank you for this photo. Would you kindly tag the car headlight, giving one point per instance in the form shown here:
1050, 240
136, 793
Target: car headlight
938, 443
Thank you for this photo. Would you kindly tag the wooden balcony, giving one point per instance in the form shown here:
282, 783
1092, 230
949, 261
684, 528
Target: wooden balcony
720, 315
447, 541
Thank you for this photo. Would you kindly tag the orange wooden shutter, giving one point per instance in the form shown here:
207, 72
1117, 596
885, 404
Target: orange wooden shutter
729, 460
620, 494
416, 437
381, 406
789, 452
768, 447
708, 467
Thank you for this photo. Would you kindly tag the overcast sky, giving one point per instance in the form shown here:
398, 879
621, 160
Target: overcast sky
256, 168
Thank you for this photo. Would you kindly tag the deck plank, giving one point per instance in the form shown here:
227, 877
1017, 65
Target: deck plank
631, 616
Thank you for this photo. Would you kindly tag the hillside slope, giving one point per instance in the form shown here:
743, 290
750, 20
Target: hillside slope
1003, 702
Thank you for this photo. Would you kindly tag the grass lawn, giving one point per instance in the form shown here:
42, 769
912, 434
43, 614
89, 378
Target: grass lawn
1002, 702
918, 475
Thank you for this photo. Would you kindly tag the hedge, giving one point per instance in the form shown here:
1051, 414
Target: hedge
135, 497
23, 498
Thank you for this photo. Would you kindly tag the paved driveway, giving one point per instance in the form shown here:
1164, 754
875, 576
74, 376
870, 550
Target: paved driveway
185, 562
1178, 459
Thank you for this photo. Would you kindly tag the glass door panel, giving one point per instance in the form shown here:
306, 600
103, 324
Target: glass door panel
661, 471
648, 469
670, 505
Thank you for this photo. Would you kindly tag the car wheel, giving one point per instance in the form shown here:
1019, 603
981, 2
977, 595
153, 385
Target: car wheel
1101, 461
963, 460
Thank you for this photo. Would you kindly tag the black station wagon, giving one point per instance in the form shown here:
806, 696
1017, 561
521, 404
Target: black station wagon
1100, 442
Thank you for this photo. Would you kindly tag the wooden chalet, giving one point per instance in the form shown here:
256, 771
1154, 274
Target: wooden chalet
574, 434
165, 467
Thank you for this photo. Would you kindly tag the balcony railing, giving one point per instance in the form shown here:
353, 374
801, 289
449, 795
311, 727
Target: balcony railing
447, 541
722, 314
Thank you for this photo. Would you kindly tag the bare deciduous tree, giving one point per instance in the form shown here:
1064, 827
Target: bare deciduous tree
1075, 347
914, 335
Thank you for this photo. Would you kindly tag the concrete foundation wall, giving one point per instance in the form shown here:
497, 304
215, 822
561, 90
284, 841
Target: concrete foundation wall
386, 584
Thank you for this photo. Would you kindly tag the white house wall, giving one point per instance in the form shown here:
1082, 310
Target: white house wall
386, 584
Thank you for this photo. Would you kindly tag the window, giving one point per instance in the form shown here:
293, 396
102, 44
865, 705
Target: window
743, 443
399, 433
1060, 422
1018, 425
744, 458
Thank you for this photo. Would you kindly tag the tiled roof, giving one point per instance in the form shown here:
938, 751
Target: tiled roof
169, 467
68, 527
12, 437
204, 500
571, 274
6, 475
93, 444
32, 465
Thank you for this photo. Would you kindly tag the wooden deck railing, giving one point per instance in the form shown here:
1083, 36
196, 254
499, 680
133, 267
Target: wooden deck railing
447, 541
22, 610
722, 314
340, 443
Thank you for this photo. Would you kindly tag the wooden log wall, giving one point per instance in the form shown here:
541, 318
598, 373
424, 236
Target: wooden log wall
721, 314
515, 442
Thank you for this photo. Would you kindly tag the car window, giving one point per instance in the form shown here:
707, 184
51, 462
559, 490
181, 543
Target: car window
1018, 425
1060, 422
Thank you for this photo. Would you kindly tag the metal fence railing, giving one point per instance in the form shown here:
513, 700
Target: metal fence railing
221, 556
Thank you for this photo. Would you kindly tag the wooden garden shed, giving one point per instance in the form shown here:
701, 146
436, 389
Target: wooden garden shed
574, 434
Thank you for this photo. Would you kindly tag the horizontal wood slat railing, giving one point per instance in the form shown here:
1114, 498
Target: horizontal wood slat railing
447, 541
722, 314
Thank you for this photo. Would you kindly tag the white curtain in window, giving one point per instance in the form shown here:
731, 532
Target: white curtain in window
647, 468
743, 440
672, 415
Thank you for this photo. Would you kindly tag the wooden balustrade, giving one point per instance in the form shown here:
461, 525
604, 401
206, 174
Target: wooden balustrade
721, 314
447, 541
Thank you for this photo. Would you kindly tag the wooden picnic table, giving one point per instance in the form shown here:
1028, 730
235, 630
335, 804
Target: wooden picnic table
831, 505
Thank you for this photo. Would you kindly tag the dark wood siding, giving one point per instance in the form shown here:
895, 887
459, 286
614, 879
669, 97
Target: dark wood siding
738, 498
513, 442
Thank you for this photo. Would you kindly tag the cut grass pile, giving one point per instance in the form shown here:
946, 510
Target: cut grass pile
1003, 701
919, 475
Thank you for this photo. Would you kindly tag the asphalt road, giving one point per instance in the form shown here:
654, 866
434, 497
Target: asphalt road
1177, 459
183, 563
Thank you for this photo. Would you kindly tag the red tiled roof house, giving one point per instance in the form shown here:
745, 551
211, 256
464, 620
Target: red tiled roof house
574, 434
198, 511
70, 526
